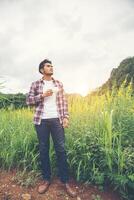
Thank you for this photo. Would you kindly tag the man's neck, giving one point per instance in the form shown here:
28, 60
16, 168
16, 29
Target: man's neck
47, 78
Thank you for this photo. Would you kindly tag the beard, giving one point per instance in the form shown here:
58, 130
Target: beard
50, 73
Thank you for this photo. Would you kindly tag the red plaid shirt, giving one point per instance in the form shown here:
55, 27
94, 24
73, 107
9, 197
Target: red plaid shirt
34, 98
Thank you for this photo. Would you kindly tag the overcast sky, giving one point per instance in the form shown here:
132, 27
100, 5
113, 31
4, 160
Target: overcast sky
84, 39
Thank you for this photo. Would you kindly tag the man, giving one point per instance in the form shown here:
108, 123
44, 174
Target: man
51, 116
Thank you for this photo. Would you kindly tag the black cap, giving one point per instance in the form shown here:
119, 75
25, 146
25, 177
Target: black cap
41, 65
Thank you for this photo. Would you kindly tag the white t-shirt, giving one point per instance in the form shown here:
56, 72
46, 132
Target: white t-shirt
50, 106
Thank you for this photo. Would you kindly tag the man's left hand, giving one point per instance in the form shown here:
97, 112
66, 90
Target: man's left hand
65, 123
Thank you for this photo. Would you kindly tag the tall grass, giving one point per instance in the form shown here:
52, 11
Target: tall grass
99, 140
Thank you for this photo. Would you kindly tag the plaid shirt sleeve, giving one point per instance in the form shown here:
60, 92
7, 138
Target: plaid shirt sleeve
31, 98
65, 103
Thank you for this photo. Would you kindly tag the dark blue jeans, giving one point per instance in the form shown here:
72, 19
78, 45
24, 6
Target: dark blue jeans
43, 131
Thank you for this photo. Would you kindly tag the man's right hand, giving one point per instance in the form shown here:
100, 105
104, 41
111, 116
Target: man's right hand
47, 93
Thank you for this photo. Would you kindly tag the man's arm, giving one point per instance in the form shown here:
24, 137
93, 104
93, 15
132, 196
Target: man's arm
65, 104
66, 113
31, 98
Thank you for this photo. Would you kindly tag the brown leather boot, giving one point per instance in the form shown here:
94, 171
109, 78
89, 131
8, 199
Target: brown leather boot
43, 187
70, 191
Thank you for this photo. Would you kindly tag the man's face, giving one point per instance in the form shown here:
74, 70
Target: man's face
48, 69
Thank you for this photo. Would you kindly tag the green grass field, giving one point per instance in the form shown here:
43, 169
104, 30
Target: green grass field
99, 140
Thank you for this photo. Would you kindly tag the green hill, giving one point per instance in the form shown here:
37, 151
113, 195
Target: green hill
125, 71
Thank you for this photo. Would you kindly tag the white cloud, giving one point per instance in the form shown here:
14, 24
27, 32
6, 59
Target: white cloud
84, 39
